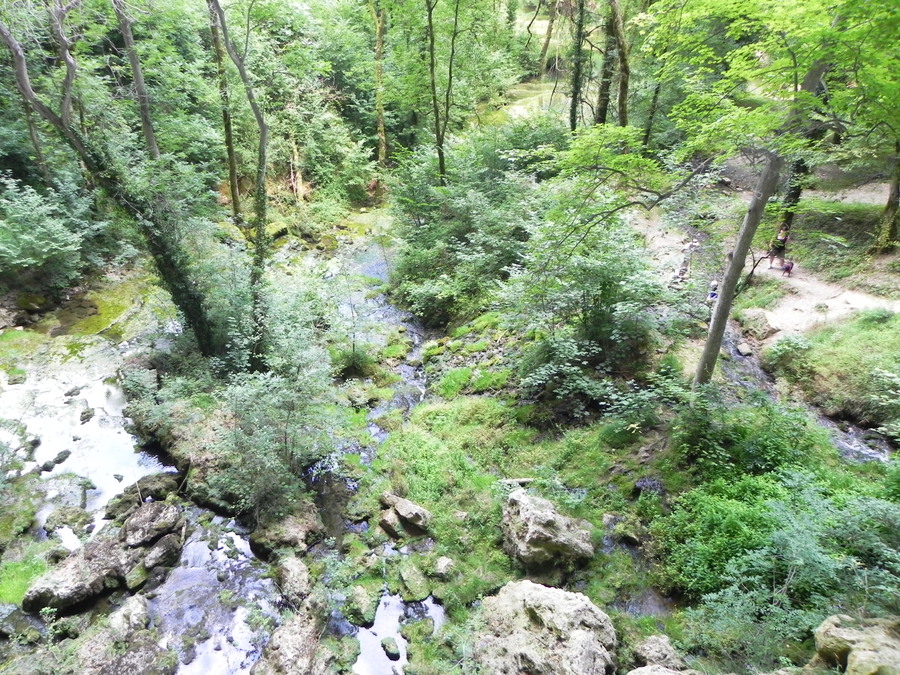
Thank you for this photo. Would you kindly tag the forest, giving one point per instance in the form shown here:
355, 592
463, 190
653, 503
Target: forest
435, 337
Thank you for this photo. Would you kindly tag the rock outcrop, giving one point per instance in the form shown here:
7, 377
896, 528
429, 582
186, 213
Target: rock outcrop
537, 534
108, 561
859, 646
544, 631
656, 650
297, 532
294, 648
402, 517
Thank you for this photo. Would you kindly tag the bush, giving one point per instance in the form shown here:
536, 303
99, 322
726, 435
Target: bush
40, 246
716, 440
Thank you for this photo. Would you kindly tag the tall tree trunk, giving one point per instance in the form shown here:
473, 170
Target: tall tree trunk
379, 19
548, 36
888, 230
537, 10
140, 87
166, 253
765, 188
578, 58
219, 55
618, 26
441, 110
799, 171
436, 108
258, 236
654, 104
606, 73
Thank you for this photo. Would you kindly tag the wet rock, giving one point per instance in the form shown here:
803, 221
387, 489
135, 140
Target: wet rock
416, 586
139, 653
130, 617
16, 623
859, 646
408, 511
656, 650
32, 302
443, 566
294, 648
157, 487
648, 486
544, 631
362, 605
164, 553
67, 516
74, 391
391, 648
151, 522
86, 415
293, 577
537, 534
297, 532
744, 349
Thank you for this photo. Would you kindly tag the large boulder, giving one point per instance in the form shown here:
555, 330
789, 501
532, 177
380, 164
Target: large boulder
151, 522
409, 512
656, 650
90, 572
157, 487
544, 631
294, 648
537, 534
297, 532
859, 646
110, 560
656, 670
293, 575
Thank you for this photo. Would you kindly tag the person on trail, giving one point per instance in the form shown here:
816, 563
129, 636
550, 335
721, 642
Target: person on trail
778, 248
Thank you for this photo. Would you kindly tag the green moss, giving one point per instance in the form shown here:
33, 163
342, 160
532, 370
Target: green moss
398, 350
488, 380
453, 382
475, 347
15, 347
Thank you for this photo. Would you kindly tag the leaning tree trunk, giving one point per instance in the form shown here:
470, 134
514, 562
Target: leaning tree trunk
545, 48
651, 114
258, 236
765, 188
219, 54
578, 58
606, 73
140, 87
167, 255
888, 230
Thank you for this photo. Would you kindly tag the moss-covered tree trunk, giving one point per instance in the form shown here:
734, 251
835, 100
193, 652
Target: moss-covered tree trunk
578, 59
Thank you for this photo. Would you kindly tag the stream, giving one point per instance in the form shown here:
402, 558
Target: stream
217, 606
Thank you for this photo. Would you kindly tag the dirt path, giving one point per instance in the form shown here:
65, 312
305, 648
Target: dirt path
811, 302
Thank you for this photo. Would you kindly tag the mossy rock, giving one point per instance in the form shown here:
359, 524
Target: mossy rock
415, 584
33, 302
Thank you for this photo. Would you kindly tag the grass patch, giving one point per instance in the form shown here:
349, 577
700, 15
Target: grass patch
453, 382
762, 293
16, 576
851, 369
489, 380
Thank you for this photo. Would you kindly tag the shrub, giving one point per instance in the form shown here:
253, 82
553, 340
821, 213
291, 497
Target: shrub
40, 247
716, 440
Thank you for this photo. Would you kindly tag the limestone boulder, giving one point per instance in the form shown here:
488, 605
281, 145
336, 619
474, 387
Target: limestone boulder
293, 576
296, 532
859, 646
157, 487
294, 649
544, 631
151, 522
656, 650
537, 534
756, 324
409, 512
132, 616
90, 572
